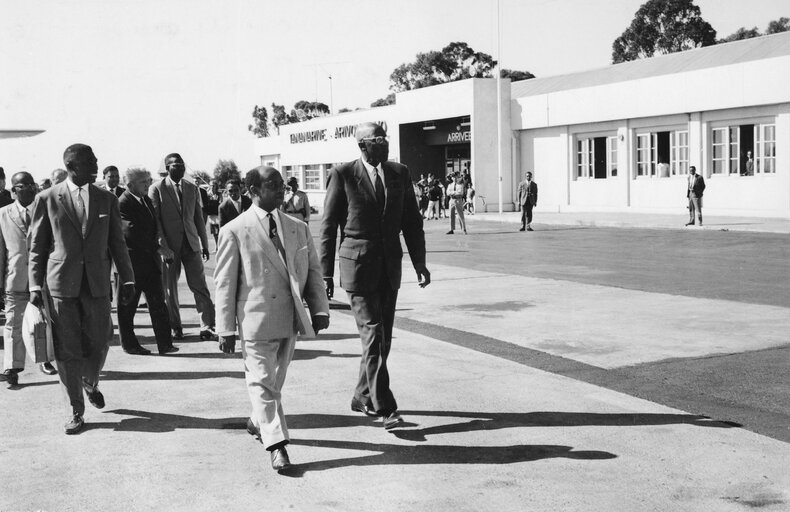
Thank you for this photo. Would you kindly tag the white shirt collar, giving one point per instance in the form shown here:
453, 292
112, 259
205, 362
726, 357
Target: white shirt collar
372, 170
21, 208
73, 187
173, 183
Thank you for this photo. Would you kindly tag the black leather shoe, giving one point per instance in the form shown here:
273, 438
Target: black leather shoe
95, 398
48, 369
168, 350
450, 232
10, 376
280, 460
208, 335
689, 223
75, 425
358, 406
137, 351
530, 229
523, 229
178, 333
392, 420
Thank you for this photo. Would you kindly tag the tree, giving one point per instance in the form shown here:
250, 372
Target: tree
281, 117
515, 76
456, 61
780, 25
740, 34
310, 109
663, 26
260, 126
201, 177
226, 170
382, 102
343, 110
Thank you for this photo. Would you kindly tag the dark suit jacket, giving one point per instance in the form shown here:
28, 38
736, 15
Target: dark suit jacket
228, 212
175, 220
530, 193
140, 233
371, 241
5, 198
697, 188
119, 190
60, 255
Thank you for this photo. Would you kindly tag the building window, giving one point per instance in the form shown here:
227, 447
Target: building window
765, 136
662, 154
596, 157
643, 158
744, 149
679, 162
719, 151
312, 177
290, 172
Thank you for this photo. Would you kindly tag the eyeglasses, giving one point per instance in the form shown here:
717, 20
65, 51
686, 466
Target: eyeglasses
22, 186
380, 139
175, 164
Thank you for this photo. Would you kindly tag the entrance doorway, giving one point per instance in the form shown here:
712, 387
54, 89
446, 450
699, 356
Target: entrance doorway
458, 158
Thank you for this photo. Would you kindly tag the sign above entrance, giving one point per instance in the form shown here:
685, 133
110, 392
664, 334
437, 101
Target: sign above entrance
444, 134
324, 134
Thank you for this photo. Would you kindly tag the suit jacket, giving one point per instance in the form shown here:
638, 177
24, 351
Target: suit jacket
228, 212
371, 240
176, 219
697, 188
119, 190
14, 250
528, 192
61, 256
140, 233
5, 198
255, 291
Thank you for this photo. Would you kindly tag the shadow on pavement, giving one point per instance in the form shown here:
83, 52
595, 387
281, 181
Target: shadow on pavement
115, 375
305, 354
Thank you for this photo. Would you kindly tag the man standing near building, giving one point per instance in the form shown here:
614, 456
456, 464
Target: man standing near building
296, 203
112, 179
14, 250
696, 186
527, 200
267, 256
372, 200
234, 205
748, 167
456, 193
75, 227
142, 240
181, 230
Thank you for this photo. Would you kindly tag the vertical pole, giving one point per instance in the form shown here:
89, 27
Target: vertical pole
498, 110
331, 102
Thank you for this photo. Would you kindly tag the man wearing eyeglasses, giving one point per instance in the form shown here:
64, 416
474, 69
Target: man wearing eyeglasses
373, 201
179, 215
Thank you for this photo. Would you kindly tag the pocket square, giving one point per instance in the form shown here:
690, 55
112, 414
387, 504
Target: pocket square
102, 215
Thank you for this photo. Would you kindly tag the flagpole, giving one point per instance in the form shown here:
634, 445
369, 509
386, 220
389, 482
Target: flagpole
498, 110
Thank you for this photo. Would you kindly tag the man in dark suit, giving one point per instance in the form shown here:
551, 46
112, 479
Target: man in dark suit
142, 239
372, 201
234, 204
76, 228
696, 186
179, 218
527, 199
5, 195
112, 180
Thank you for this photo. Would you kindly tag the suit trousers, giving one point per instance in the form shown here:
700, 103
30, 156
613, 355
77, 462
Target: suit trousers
150, 284
14, 352
374, 312
457, 208
695, 205
265, 366
526, 214
196, 279
80, 326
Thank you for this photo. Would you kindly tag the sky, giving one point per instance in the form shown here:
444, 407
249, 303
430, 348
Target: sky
137, 79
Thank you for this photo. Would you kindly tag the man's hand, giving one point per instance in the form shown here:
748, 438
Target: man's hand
227, 343
206, 255
423, 276
166, 255
127, 293
320, 322
330, 287
37, 299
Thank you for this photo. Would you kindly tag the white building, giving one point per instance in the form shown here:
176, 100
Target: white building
619, 138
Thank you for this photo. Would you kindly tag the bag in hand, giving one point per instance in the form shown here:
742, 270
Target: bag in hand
37, 334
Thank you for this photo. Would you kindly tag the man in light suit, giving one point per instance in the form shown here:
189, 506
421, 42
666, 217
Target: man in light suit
266, 266
234, 205
76, 228
14, 250
179, 215
696, 186
372, 201
527, 200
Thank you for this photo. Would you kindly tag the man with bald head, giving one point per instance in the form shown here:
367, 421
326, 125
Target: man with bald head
372, 201
266, 266
76, 229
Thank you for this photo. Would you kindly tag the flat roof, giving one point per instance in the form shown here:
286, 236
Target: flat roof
758, 48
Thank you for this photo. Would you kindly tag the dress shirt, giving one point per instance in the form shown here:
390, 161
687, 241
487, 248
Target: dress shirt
372, 175
178, 187
237, 204
74, 191
22, 210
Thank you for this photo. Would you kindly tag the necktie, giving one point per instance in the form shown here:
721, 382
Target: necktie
26, 219
275, 237
379, 191
81, 211
178, 191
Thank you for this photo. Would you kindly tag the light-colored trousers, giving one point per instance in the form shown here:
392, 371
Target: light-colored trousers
695, 204
457, 207
196, 279
14, 353
265, 366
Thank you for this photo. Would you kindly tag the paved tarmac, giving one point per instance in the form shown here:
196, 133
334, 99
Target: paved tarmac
486, 428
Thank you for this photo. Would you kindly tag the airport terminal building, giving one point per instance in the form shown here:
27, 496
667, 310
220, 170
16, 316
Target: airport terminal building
619, 138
